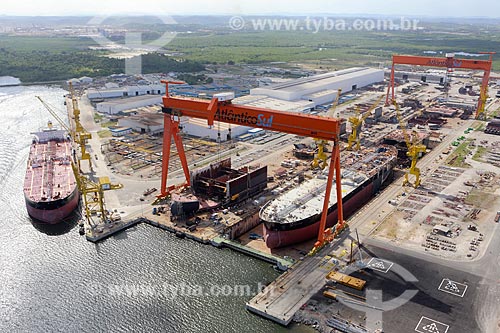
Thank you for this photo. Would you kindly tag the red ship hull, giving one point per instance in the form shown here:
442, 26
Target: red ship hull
54, 213
50, 188
280, 238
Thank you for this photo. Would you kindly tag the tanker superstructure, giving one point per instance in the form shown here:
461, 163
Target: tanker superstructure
293, 217
50, 188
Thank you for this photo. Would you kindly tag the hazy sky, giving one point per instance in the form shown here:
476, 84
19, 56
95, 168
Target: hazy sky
456, 8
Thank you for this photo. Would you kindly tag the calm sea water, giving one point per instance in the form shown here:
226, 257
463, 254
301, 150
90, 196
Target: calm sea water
52, 280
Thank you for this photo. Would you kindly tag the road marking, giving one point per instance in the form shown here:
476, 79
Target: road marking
453, 287
380, 265
427, 325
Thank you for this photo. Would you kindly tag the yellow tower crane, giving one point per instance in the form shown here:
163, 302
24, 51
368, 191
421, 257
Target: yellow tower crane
483, 97
415, 148
92, 191
356, 124
320, 159
81, 136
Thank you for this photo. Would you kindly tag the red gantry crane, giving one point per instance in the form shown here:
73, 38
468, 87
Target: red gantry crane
221, 109
449, 62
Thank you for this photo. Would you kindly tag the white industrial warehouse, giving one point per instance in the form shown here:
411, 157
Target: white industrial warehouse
144, 122
200, 128
297, 95
128, 91
434, 76
322, 88
117, 105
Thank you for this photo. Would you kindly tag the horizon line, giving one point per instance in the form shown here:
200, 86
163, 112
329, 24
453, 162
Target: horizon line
124, 14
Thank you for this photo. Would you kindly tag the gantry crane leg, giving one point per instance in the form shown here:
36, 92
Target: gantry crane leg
176, 134
334, 168
167, 141
171, 130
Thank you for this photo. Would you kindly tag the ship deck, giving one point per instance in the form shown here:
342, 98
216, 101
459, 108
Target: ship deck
306, 199
49, 175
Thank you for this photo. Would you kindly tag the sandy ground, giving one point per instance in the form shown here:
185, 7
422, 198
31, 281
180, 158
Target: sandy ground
446, 198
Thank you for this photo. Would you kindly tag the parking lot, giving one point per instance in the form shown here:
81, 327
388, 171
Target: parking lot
415, 296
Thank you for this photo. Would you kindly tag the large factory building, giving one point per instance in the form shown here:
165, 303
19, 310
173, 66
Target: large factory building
322, 88
297, 95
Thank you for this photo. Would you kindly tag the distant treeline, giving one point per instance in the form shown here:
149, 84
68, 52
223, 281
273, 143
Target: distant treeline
43, 65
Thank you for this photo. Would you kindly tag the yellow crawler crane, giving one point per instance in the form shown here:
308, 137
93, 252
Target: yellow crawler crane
356, 124
415, 148
320, 159
92, 191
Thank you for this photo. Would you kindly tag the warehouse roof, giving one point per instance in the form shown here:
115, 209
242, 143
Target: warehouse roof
262, 101
322, 79
124, 101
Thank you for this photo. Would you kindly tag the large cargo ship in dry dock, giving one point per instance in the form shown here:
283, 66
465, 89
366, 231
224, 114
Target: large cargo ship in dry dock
294, 216
50, 188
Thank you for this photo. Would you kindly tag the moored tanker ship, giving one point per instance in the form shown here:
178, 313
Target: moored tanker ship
50, 188
294, 216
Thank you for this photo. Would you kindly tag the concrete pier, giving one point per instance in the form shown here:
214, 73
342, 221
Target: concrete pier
281, 263
281, 299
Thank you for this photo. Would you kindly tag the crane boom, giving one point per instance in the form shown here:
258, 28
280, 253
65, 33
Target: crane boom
55, 115
357, 123
402, 125
331, 111
81, 135
92, 191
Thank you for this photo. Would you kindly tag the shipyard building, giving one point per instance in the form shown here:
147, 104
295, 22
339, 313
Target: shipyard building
296, 95
321, 88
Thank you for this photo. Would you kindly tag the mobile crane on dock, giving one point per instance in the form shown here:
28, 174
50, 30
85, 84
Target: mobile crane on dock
221, 109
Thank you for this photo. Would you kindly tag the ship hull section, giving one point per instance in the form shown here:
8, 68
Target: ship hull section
281, 238
53, 212
279, 235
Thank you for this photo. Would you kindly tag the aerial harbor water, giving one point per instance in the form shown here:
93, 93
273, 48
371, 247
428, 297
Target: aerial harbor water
144, 279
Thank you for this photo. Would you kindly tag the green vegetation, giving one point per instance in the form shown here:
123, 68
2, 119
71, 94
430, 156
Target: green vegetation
34, 59
479, 126
98, 117
53, 59
109, 124
479, 153
104, 133
494, 113
480, 199
332, 48
195, 79
457, 159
